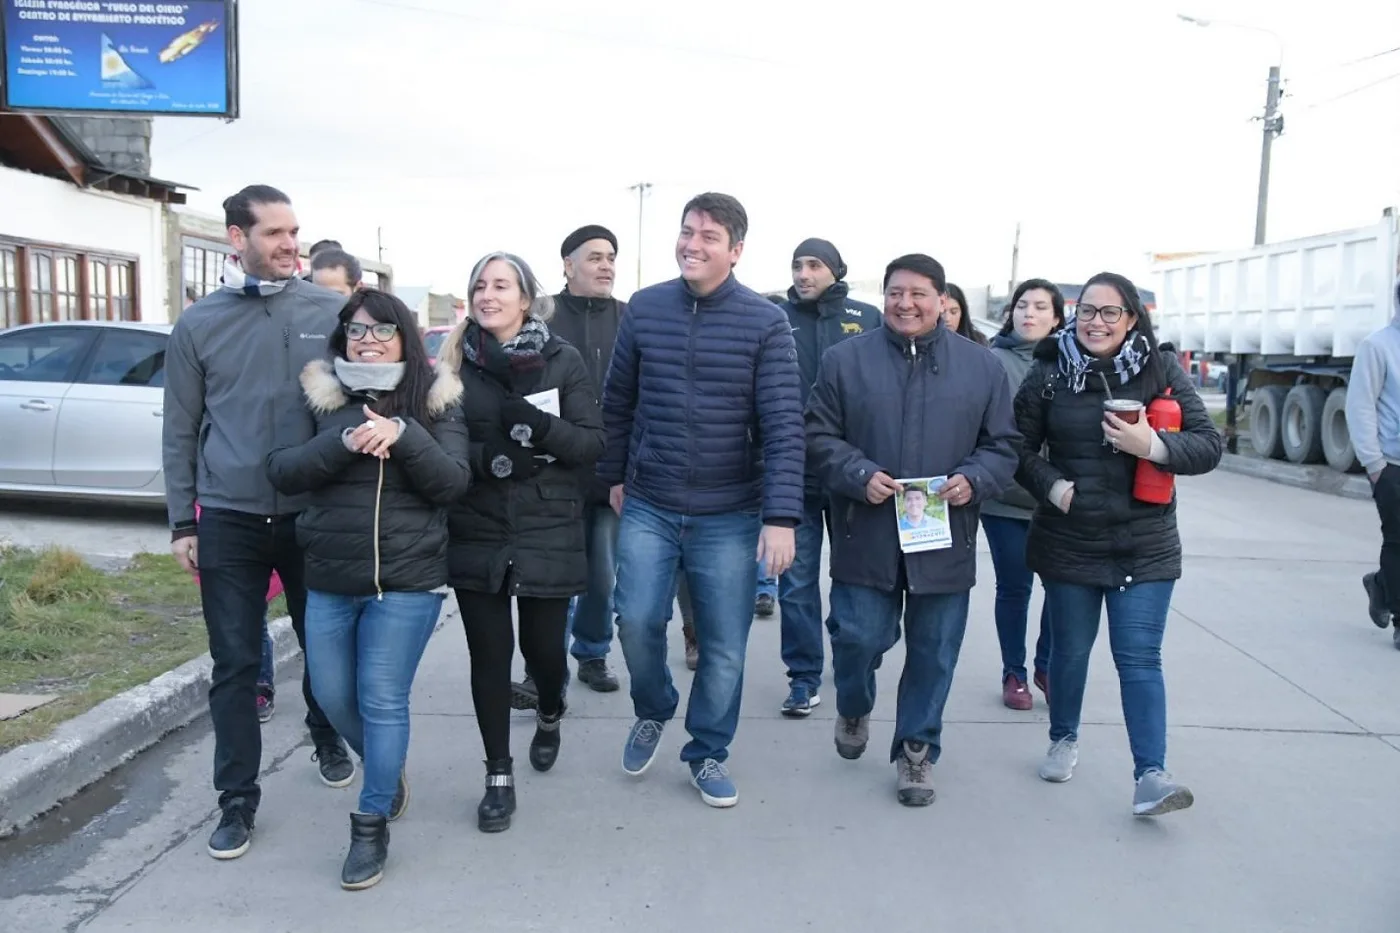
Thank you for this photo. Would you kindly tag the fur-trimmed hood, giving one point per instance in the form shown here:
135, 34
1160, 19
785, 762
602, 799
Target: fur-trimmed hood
325, 393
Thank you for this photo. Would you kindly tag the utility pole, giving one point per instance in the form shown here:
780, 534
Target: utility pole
641, 187
379, 238
1015, 260
1273, 126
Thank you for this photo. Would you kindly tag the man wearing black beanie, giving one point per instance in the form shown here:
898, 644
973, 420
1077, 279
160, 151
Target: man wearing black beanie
587, 316
822, 314
906, 407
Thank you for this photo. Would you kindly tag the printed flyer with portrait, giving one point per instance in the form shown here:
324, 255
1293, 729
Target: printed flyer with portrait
922, 516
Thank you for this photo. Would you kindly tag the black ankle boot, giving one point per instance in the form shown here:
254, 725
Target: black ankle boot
493, 815
544, 748
369, 850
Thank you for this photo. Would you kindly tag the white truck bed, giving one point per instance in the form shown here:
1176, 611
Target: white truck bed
1318, 296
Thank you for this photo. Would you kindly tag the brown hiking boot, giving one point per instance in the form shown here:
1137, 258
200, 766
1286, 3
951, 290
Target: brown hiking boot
914, 775
1015, 695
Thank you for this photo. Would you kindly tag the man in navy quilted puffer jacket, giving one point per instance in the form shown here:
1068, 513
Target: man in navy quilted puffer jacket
704, 458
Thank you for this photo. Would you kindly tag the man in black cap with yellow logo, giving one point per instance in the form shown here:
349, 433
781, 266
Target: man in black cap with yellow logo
587, 316
822, 314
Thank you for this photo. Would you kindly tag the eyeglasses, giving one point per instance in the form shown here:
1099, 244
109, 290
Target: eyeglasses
381, 332
1109, 314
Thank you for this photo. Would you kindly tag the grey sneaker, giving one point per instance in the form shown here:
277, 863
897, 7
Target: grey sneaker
852, 735
1157, 794
915, 775
1060, 760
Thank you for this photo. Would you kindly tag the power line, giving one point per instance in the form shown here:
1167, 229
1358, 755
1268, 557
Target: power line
574, 33
1355, 90
1367, 58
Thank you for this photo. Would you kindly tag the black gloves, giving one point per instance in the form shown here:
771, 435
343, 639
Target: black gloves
519, 417
511, 461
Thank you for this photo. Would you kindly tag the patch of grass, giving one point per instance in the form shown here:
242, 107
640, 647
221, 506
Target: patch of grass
69, 629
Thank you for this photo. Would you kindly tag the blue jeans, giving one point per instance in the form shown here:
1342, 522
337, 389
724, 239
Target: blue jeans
716, 553
591, 616
1006, 537
865, 625
800, 596
1137, 619
266, 671
362, 654
762, 584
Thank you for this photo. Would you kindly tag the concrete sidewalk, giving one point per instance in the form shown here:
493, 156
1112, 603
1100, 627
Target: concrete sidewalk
1280, 720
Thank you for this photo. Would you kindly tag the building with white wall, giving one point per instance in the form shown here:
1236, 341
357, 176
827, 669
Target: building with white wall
79, 240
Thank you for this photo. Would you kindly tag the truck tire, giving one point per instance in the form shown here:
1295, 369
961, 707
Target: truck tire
1302, 423
1266, 421
1336, 440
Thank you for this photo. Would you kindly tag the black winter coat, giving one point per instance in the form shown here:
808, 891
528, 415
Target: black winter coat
590, 324
934, 406
372, 525
1108, 538
527, 534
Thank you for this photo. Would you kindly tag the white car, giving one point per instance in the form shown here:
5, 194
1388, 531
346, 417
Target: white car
81, 410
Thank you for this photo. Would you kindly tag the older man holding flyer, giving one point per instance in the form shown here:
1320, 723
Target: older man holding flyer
901, 416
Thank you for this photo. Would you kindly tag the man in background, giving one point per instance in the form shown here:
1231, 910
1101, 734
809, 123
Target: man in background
337, 270
588, 316
822, 314
1373, 420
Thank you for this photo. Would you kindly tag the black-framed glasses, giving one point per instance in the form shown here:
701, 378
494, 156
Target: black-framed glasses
383, 333
1109, 314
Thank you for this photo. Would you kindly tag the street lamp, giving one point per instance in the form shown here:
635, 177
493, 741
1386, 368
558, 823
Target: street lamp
1273, 120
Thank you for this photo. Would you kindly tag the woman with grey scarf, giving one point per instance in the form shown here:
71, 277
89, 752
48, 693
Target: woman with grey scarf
519, 534
381, 448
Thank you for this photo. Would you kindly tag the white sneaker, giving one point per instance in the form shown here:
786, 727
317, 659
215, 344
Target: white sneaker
1060, 760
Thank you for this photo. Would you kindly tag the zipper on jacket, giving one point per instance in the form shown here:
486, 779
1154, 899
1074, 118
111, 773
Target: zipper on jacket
378, 502
690, 393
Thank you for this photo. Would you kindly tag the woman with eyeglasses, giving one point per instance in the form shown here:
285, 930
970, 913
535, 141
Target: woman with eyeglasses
382, 449
1093, 542
956, 318
1037, 310
518, 535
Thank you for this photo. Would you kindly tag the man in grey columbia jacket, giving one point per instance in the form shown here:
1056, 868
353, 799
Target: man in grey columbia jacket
233, 361
1373, 420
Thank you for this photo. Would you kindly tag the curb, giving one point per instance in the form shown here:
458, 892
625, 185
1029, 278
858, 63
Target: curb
1317, 478
36, 777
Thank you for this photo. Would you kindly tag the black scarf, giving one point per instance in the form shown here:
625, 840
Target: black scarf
516, 364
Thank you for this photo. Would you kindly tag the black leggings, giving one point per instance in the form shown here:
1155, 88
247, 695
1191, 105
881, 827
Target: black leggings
491, 641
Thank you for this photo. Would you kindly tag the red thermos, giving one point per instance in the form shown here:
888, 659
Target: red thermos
1152, 483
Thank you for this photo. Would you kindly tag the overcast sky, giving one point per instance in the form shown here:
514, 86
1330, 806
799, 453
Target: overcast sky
1109, 129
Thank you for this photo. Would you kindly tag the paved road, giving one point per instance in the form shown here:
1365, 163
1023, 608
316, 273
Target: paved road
104, 534
1281, 720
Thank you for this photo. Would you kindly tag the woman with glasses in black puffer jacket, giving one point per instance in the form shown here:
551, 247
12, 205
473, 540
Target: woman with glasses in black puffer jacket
381, 447
1096, 539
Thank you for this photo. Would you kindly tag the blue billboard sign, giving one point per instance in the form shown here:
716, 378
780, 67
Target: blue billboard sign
113, 56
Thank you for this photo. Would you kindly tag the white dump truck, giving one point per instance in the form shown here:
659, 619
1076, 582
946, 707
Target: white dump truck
1286, 318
